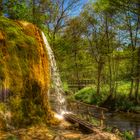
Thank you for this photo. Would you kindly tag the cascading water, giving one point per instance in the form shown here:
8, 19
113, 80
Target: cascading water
56, 81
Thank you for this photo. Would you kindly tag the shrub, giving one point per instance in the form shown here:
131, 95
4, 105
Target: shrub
88, 95
128, 135
123, 103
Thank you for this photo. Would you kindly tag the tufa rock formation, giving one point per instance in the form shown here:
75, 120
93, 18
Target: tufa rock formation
24, 73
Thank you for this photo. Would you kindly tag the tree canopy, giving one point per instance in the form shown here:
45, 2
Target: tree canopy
101, 43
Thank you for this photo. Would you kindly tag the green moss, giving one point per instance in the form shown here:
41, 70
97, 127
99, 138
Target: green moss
24, 72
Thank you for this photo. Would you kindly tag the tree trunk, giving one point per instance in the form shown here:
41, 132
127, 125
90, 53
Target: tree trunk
132, 58
138, 60
110, 76
109, 55
76, 69
33, 11
1, 9
137, 77
131, 89
116, 71
98, 80
133, 44
137, 90
100, 66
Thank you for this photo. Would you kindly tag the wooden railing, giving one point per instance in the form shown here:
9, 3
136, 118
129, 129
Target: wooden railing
80, 83
88, 112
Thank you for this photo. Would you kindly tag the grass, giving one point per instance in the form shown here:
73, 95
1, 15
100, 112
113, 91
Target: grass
123, 87
88, 95
120, 102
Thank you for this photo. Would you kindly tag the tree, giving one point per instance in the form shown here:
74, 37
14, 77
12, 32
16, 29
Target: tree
101, 37
58, 14
73, 50
17, 9
131, 9
1, 9
94, 36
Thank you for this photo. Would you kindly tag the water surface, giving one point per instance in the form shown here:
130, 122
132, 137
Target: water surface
125, 121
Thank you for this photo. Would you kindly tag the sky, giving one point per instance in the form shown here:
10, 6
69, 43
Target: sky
82, 3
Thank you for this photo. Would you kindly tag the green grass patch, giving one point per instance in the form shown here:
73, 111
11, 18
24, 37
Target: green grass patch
88, 95
123, 87
120, 101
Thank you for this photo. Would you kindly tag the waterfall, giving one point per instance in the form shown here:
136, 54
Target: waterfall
60, 102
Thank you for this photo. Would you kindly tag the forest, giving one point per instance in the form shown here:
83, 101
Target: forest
96, 44
100, 42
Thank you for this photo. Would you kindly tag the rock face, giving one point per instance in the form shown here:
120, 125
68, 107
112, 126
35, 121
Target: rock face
24, 72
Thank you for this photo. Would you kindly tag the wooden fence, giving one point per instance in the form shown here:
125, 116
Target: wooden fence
87, 112
80, 83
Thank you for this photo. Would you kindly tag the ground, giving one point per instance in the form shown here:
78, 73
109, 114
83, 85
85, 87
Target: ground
65, 131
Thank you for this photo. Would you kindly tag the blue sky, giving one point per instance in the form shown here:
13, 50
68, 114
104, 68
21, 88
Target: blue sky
82, 3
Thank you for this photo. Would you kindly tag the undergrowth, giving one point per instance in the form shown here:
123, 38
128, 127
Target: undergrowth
119, 102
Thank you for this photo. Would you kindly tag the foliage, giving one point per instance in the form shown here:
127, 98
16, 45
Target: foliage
135, 108
85, 94
65, 87
128, 135
88, 95
101, 43
123, 103
16, 9
120, 102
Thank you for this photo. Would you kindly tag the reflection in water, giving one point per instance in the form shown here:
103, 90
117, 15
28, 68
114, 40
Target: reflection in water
124, 122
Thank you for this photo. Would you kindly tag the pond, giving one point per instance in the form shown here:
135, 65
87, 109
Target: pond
124, 121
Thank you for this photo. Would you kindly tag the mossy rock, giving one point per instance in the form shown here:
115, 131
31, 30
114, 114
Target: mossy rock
24, 72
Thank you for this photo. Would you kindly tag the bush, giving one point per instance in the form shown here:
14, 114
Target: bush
123, 103
128, 135
118, 101
88, 95
135, 109
123, 87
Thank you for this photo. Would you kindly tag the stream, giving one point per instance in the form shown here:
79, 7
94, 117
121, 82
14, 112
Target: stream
124, 121
121, 120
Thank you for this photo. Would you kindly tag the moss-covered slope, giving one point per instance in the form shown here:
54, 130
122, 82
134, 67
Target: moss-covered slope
24, 72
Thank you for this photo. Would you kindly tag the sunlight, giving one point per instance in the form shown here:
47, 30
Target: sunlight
61, 115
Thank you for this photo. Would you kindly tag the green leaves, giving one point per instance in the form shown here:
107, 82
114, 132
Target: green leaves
16, 10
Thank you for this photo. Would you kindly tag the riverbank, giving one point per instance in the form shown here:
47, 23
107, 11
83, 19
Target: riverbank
119, 102
124, 122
